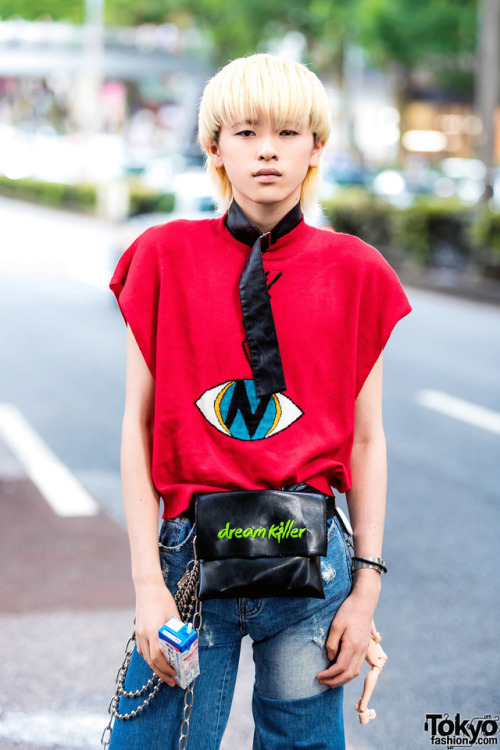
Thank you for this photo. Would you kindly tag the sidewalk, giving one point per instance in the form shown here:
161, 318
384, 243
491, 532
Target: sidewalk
468, 284
66, 609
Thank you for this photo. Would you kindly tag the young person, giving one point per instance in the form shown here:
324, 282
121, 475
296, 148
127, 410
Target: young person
217, 401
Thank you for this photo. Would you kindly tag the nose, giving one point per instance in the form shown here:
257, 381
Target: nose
268, 148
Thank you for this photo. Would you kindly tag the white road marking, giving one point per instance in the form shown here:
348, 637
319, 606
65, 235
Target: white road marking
61, 489
49, 729
464, 411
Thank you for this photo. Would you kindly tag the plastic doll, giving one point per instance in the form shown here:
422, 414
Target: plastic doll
376, 658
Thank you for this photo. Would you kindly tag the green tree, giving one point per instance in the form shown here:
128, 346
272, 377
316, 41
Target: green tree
32, 10
412, 33
241, 27
437, 35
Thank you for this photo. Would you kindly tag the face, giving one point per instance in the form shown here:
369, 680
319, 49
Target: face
265, 165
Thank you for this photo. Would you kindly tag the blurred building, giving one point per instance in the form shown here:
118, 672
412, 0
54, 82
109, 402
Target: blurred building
141, 84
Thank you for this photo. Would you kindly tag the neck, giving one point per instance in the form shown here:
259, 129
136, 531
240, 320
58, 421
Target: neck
265, 216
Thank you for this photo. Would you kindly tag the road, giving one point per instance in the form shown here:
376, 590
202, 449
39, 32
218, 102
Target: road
63, 370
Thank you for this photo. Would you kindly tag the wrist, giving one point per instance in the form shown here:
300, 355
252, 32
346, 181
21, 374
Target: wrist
376, 563
144, 582
367, 584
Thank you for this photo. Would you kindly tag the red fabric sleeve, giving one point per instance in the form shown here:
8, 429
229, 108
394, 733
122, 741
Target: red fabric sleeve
382, 304
136, 285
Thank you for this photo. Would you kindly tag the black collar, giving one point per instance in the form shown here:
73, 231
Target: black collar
243, 230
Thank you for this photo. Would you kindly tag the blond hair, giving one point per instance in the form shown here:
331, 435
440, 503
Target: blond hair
271, 88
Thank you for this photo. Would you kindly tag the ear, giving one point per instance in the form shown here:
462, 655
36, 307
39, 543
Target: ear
215, 155
316, 153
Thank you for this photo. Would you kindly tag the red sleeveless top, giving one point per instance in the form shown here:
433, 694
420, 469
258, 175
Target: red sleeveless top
335, 301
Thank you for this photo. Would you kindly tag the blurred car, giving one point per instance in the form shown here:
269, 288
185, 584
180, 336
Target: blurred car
464, 178
341, 172
400, 187
347, 175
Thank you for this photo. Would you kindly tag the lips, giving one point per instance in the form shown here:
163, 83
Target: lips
267, 175
267, 172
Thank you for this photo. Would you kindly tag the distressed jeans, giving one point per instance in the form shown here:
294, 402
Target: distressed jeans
291, 710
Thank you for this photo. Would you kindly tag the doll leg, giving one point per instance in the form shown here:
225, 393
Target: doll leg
377, 659
365, 713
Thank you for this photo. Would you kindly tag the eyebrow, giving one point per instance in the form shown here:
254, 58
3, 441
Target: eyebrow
246, 122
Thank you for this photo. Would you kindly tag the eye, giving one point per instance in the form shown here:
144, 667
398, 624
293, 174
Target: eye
245, 133
289, 132
234, 409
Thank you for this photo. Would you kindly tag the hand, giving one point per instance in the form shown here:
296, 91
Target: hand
348, 641
154, 606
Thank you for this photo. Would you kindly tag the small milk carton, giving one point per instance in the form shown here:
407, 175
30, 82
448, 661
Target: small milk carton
179, 643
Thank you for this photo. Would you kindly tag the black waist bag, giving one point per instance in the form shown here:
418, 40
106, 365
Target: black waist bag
260, 543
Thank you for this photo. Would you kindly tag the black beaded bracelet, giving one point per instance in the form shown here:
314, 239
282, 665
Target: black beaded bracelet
369, 562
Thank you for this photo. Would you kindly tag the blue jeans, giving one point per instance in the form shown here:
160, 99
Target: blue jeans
291, 709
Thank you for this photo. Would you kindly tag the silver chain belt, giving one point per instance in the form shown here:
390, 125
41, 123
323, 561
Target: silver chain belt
189, 608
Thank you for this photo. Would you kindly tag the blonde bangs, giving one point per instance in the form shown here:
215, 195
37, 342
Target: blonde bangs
263, 87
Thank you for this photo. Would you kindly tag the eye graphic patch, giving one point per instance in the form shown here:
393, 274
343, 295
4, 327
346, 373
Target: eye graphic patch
234, 409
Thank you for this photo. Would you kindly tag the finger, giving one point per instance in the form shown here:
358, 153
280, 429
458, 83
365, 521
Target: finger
342, 672
142, 646
332, 644
339, 681
349, 659
161, 667
165, 676
156, 660
337, 668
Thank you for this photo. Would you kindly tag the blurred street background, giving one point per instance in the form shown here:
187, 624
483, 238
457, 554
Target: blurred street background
98, 109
